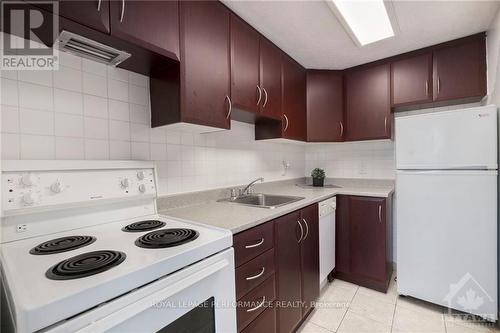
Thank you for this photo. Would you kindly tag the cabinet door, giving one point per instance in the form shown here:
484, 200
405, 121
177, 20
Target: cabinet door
310, 257
264, 323
367, 237
288, 267
205, 64
244, 66
93, 14
270, 79
153, 25
368, 106
342, 258
412, 80
294, 100
325, 106
460, 70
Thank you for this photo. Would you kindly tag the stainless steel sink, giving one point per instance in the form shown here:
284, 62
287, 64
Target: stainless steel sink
262, 200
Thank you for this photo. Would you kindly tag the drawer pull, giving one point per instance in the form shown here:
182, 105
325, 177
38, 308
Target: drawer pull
259, 243
256, 276
258, 306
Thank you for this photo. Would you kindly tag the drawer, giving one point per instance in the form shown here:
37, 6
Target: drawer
255, 302
254, 272
250, 243
265, 322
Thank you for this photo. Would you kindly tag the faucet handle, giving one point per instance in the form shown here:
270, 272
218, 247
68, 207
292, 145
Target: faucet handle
234, 193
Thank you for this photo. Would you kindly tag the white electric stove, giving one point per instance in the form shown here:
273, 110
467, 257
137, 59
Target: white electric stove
84, 250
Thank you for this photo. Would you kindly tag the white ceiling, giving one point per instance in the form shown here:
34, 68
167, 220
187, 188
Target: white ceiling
309, 31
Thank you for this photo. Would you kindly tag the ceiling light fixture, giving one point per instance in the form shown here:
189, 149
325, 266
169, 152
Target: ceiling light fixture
367, 21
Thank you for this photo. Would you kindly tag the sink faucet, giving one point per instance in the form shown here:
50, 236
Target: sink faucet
245, 190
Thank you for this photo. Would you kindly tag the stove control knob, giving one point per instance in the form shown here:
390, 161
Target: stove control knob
125, 183
28, 179
57, 187
140, 175
30, 199
142, 188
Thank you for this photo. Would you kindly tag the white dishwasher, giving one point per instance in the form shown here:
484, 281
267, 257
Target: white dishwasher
326, 239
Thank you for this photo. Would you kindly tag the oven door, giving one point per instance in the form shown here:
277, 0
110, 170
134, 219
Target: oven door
199, 298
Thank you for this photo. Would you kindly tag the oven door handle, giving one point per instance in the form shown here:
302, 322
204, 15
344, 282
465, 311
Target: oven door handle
122, 315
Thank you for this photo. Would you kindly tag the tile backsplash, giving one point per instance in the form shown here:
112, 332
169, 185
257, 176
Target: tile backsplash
368, 159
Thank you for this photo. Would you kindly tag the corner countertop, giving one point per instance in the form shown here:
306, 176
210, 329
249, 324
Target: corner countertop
237, 218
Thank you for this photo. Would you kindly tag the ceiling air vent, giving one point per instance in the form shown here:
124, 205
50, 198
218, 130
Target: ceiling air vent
87, 48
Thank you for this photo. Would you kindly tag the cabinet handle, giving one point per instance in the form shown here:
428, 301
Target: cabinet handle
426, 87
307, 229
99, 5
123, 11
286, 124
385, 125
259, 305
265, 97
260, 94
341, 129
256, 276
259, 243
230, 109
301, 231
438, 84
380, 213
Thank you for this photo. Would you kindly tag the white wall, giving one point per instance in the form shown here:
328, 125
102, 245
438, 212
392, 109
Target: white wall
86, 110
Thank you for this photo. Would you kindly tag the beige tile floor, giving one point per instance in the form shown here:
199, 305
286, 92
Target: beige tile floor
347, 308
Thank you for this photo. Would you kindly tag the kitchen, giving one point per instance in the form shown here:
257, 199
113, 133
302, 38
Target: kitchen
157, 178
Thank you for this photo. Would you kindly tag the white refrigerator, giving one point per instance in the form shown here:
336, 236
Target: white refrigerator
446, 208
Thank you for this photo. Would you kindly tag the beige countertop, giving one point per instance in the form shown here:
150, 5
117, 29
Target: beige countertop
236, 218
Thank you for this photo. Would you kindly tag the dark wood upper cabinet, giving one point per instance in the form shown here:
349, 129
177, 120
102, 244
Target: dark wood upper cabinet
363, 234
92, 14
270, 79
460, 70
205, 63
412, 80
368, 106
153, 25
325, 106
245, 66
288, 266
310, 257
294, 100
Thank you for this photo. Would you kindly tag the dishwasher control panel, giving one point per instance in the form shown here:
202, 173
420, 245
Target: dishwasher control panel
327, 207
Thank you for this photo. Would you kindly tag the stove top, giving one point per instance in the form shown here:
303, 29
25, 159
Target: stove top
62, 244
143, 226
85, 264
166, 238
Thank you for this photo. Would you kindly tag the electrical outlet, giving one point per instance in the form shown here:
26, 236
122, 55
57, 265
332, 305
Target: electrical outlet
22, 227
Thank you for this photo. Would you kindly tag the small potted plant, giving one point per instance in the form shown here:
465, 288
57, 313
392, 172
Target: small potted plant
318, 176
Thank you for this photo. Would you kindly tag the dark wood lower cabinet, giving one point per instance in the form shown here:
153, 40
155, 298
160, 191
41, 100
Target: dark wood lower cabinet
255, 279
264, 323
363, 241
288, 234
297, 266
309, 257
281, 258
